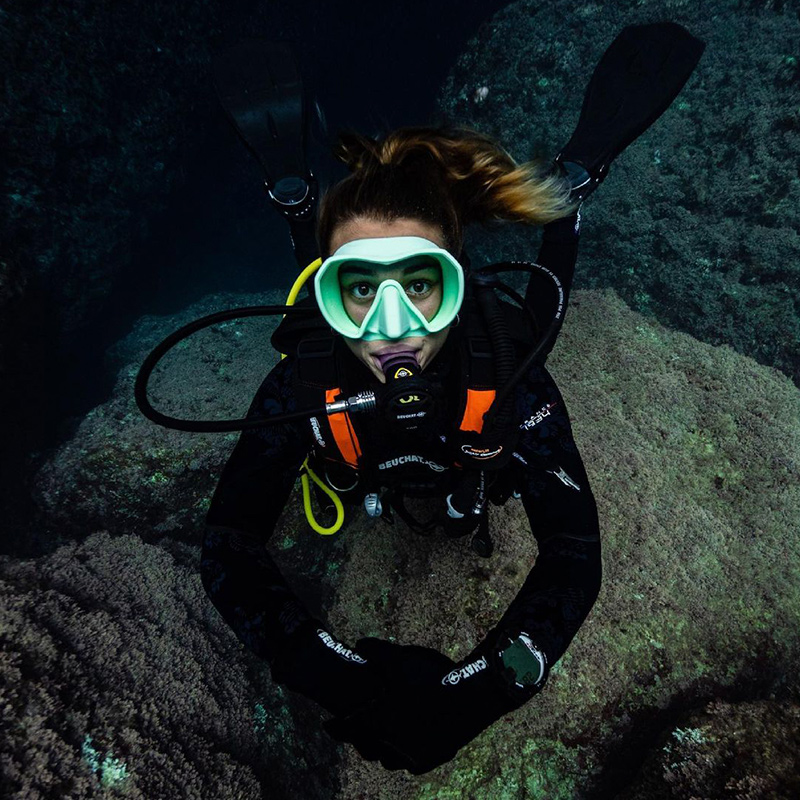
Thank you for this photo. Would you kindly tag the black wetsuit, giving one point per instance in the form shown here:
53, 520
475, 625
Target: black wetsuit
247, 588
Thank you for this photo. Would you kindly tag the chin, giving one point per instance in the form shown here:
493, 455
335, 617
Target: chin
367, 361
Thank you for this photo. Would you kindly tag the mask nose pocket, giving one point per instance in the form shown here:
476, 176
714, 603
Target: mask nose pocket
392, 315
391, 318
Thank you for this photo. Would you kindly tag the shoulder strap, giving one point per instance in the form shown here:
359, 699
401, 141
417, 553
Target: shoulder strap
317, 381
478, 388
294, 328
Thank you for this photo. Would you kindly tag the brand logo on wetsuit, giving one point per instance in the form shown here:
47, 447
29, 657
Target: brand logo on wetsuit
411, 459
345, 652
317, 433
564, 478
467, 671
482, 454
533, 421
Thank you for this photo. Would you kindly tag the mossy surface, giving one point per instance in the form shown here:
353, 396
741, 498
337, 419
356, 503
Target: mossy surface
700, 596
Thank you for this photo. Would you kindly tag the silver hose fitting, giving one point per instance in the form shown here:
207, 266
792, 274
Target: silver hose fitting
363, 401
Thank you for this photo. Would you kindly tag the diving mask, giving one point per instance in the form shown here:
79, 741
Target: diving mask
392, 314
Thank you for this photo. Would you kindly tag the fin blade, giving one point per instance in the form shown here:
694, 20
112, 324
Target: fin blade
259, 85
634, 83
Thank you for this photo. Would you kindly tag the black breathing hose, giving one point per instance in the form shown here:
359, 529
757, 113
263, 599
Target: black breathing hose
210, 425
503, 350
499, 404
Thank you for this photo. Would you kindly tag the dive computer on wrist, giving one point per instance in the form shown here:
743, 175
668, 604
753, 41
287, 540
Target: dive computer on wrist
525, 665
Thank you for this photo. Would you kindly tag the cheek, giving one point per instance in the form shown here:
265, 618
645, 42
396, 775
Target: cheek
354, 310
433, 342
358, 349
430, 305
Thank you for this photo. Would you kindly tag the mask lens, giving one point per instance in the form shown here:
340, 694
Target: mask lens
420, 278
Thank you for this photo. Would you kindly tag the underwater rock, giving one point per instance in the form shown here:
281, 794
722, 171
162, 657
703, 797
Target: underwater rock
119, 679
99, 100
737, 750
697, 223
693, 452
122, 473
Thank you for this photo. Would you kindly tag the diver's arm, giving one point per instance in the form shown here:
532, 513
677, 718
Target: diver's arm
561, 589
564, 583
243, 581
241, 578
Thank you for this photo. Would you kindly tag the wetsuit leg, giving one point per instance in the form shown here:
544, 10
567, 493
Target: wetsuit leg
558, 253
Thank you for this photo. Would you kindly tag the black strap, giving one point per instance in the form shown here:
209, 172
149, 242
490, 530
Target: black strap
482, 542
395, 499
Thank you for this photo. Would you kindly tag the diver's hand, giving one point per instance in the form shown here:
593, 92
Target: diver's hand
316, 664
432, 708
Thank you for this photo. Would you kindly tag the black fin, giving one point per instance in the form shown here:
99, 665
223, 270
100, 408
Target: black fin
634, 83
259, 84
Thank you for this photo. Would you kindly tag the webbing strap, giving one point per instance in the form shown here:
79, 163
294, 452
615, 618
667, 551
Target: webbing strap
478, 403
342, 430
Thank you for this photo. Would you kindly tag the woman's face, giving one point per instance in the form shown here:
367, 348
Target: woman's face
421, 280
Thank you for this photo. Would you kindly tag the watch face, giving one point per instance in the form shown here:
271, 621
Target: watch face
524, 660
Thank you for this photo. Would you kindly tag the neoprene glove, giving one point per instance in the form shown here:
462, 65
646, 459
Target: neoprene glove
433, 706
325, 670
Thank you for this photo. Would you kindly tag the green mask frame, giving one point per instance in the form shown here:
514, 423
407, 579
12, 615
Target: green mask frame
392, 314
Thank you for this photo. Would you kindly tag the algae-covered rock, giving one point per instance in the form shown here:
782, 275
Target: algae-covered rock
123, 473
735, 750
118, 679
693, 453
697, 223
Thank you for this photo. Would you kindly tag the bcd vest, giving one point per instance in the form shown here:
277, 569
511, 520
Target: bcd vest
358, 457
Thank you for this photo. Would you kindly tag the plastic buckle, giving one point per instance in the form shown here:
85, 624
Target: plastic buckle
479, 347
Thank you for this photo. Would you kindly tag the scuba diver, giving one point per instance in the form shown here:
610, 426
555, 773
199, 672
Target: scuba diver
406, 376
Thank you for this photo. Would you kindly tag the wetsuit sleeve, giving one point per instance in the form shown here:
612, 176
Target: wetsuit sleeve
558, 253
564, 583
241, 578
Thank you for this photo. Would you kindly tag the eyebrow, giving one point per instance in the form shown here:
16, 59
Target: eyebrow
353, 269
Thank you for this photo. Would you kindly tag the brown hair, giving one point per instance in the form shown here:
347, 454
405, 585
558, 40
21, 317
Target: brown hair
447, 176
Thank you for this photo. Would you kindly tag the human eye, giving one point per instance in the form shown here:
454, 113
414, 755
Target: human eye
419, 287
361, 291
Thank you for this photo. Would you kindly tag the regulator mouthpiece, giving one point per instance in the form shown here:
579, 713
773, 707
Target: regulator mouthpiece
399, 366
408, 399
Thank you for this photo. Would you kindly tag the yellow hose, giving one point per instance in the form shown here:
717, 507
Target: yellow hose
304, 476
306, 471
298, 285
301, 279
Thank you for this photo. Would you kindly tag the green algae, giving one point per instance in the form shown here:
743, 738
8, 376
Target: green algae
541, 769
110, 770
